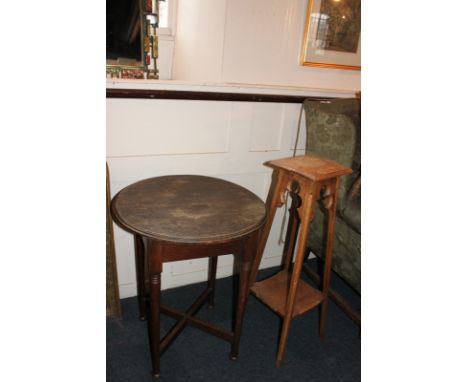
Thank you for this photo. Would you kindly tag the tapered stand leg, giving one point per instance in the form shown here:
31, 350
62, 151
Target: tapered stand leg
307, 213
273, 202
330, 205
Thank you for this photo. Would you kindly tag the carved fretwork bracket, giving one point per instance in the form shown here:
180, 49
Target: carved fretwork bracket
327, 193
299, 188
327, 196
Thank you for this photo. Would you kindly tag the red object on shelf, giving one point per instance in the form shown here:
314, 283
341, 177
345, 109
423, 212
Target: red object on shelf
149, 6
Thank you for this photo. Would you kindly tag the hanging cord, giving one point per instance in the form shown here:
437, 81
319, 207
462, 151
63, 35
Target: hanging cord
283, 222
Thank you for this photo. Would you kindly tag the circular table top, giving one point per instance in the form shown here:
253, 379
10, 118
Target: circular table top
188, 209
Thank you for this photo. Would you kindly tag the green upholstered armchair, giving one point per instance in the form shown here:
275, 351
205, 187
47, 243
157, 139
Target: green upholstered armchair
334, 132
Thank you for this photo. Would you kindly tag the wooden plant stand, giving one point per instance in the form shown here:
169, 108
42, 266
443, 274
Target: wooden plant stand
307, 179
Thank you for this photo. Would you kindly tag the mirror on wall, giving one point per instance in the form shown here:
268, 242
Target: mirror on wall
123, 33
131, 41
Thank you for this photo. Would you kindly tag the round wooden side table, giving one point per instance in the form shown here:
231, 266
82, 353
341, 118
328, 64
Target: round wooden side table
184, 217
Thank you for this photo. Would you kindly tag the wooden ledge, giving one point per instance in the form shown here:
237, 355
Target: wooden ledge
208, 95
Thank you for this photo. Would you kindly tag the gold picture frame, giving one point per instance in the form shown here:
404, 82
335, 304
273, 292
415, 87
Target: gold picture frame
332, 34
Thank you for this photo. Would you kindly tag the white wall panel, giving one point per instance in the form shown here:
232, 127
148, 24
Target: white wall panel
266, 127
157, 127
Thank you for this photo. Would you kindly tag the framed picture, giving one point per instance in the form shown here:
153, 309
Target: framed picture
332, 34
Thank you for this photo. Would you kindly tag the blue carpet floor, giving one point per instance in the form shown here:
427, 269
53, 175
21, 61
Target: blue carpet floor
198, 356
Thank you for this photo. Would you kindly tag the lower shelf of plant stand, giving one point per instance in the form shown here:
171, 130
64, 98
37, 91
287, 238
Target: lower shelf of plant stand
273, 292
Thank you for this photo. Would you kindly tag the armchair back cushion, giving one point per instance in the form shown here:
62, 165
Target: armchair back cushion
334, 132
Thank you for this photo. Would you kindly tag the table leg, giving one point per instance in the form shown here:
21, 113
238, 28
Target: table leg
140, 275
155, 269
213, 263
154, 323
248, 255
